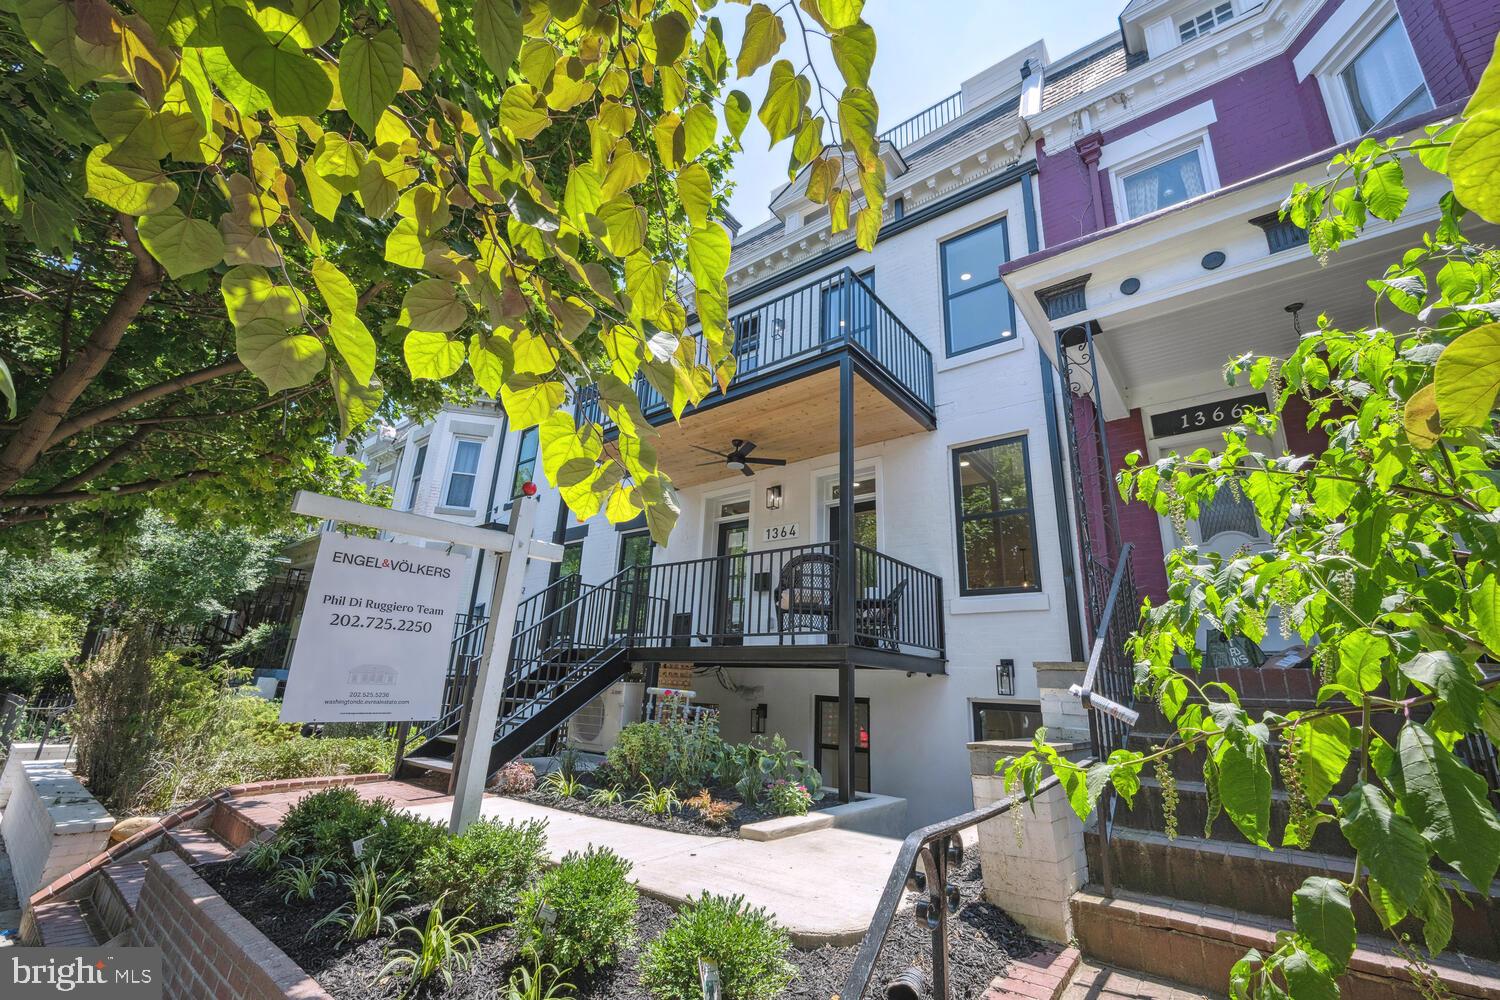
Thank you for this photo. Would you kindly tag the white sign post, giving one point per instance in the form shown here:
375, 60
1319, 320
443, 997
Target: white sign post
375, 633
473, 765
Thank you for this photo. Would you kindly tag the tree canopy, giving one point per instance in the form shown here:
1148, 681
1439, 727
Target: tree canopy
236, 231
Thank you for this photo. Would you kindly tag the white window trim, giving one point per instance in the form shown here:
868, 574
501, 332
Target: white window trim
445, 507
820, 488
1143, 143
1333, 47
1197, 141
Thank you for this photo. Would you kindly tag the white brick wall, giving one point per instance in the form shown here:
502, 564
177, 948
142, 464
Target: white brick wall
51, 825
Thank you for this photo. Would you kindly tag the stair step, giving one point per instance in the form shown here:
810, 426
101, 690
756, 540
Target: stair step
443, 764
1192, 812
67, 923
200, 847
1255, 880
116, 890
1197, 944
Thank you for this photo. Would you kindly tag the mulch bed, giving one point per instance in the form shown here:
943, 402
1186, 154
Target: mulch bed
983, 940
684, 820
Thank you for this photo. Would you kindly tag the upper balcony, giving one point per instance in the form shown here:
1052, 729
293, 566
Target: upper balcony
784, 394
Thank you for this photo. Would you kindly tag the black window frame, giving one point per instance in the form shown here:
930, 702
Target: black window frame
1004, 223
532, 434
620, 614
976, 707
960, 518
819, 747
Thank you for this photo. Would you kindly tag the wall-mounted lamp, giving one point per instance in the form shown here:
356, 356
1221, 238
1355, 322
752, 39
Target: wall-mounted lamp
758, 720
1005, 677
773, 497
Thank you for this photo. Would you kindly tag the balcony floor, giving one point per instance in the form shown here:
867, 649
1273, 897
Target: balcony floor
804, 654
795, 418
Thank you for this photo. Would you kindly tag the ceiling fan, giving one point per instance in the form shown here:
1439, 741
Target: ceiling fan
738, 457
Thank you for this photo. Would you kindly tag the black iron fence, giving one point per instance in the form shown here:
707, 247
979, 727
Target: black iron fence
40, 721
830, 314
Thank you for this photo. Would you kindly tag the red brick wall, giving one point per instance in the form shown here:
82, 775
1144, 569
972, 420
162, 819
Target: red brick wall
209, 951
1138, 522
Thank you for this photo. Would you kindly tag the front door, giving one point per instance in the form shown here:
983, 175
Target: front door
864, 535
733, 581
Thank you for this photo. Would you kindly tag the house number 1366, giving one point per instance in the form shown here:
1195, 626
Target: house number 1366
781, 532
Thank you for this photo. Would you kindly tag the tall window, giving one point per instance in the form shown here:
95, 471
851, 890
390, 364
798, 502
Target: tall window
635, 550
996, 531
525, 461
416, 477
1384, 81
1205, 22
828, 740
977, 306
1165, 183
461, 477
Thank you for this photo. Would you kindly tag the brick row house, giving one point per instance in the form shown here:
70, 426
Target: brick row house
900, 507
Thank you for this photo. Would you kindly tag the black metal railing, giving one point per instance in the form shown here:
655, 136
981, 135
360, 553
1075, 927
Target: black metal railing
830, 314
938, 849
924, 122
785, 596
42, 721
1108, 690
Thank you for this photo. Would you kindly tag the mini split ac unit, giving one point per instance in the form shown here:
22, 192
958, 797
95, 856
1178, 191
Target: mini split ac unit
597, 724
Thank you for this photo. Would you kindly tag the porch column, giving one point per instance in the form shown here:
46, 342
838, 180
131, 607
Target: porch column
848, 578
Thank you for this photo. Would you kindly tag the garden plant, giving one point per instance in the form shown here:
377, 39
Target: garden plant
745, 942
1383, 552
581, 913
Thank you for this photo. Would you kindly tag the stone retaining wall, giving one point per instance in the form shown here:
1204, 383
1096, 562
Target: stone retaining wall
209, 951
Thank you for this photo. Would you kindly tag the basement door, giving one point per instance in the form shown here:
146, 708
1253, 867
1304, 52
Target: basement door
826, 716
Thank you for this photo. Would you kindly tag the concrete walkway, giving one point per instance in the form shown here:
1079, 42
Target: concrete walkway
822, 886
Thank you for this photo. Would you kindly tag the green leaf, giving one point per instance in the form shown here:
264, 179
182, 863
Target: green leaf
1452, 679
708, 255
430, 354
296, 84
1449, 805
1323, 748
176, 21
1436, 910
370, 76
696, 189
1322, 914
764, 35
1474, 161
840, 13
661, 508
736, 112
782, 109
498, 30
667, 36
584, 193
646, 283
1468, 377
700, 129
349, 333
128, 182
858, 115
8, 390
488, 361
1487, 94
251, 295
528, 400
1305, 979
1360, 656
625, 223
421, 30
854, 53
432, 304
1245, 786
520, 111
1484, 606
278, 357
1388, 843
1384, 189
867, 227
357, 402
12, 181
1420, 418
183, 245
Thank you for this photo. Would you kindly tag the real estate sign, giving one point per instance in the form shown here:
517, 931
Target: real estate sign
375, 633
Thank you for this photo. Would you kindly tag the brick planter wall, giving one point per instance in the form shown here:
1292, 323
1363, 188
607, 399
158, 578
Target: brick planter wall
210, 952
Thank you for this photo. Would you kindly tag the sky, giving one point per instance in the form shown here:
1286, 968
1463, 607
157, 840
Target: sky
925, 49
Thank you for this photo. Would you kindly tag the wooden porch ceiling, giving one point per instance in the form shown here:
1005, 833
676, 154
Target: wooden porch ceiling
794, 420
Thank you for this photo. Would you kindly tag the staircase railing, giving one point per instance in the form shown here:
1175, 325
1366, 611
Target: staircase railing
939, 850
1108, 690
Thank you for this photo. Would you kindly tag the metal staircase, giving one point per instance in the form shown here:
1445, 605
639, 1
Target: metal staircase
570, 643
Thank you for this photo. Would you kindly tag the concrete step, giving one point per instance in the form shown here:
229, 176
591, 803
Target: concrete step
67, 923
1192, 812
200, 847
1197, 944
116, 890
1255, 880
443, 764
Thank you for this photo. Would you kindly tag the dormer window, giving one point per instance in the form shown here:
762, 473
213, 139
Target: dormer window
1384, 81
1208, 20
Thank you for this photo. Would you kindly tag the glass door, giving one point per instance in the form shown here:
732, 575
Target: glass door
733, 581
827, 740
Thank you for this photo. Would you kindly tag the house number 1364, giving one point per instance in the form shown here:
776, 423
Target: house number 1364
781, 532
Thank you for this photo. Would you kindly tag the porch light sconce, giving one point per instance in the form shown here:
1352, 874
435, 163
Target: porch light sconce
1005, 677
773, 497
1213, 261
758, 720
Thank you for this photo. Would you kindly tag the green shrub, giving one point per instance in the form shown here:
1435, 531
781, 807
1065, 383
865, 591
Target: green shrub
485, 869
443, 947
401, 842
749, 947
326, 824
788, 799
641, 754
582, 912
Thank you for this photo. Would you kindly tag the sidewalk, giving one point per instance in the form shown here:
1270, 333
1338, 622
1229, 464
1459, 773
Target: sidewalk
822, 886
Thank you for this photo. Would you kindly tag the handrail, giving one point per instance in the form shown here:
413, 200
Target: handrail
924, 122
1111, 711
939, 850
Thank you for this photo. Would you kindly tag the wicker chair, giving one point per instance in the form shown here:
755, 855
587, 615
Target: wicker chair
878, 618
805, 594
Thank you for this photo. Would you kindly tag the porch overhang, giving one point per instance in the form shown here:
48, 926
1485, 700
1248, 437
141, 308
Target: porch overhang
1177, 293
802, 655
